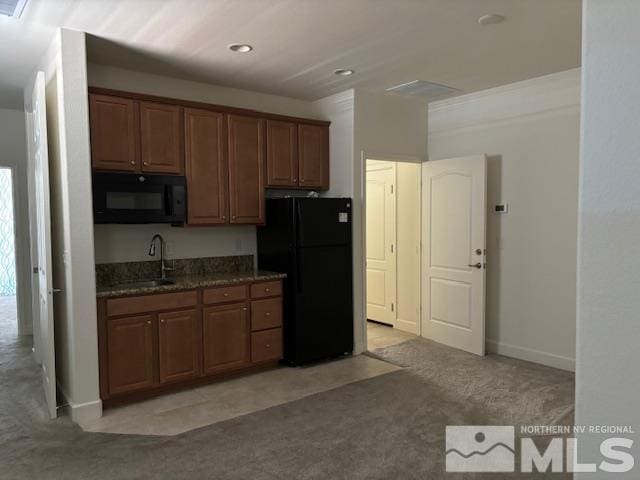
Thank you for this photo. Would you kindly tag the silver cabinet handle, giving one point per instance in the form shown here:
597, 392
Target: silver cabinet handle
476, 265
55, 290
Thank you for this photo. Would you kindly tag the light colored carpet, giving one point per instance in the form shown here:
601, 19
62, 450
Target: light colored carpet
388, 427
511, 391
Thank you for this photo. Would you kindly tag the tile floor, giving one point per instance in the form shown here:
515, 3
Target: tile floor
380, 336
180, 412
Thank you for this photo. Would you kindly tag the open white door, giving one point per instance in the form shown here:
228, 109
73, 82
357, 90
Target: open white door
454, 233
381, 238
38, 139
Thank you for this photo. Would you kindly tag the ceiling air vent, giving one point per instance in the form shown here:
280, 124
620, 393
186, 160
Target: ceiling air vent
423, 89
12, 8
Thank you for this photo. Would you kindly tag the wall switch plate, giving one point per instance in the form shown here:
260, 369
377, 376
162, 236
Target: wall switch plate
238, 245
170, 247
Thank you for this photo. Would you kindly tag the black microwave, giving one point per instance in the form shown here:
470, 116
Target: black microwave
136, 198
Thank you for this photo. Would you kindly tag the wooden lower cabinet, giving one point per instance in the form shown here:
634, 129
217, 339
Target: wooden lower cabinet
266, 345
178, 346
225, 337
131, 354
153, 343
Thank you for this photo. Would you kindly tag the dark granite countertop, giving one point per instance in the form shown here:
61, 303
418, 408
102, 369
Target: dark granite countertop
190, 282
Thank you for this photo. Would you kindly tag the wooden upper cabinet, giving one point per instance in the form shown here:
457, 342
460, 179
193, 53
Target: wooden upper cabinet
226, 337
178, 346
114, 133
131, 357
246, 169
282, 154
206, 167
313, 145
161, 146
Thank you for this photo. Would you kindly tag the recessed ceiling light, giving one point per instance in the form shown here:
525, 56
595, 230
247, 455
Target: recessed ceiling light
344, 72
491, 19
240, 47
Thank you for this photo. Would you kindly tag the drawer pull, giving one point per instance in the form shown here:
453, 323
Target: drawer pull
268, 345
267, 314
244, 308
225, 295
148, 322
267, 290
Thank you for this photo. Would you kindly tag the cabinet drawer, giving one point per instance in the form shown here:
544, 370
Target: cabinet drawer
266, 345
151, 303
224, 294
266, 313
266, 289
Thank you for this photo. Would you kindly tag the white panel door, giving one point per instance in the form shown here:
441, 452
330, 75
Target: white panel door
45, 288
454, 232
381, 239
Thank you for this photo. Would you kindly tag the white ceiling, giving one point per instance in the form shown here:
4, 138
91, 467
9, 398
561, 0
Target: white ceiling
298, 43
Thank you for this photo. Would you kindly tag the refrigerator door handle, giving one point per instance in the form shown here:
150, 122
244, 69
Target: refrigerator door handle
297, 222
298, 261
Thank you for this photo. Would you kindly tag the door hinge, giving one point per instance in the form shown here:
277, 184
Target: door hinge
391, 189
392, 306
392, 248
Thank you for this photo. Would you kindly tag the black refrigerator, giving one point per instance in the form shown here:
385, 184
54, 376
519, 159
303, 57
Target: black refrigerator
309, 239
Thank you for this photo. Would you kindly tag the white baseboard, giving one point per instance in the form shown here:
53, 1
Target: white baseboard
80, 412
86, 412
531, 355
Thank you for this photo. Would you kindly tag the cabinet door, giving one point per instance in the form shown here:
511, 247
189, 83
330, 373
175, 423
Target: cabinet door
246, 169
178, 346
206, 167
114, 135
130, 353
161, 148
282, 154
225, 337
313, 145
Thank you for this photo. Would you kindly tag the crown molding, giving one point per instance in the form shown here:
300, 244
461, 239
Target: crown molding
558, 91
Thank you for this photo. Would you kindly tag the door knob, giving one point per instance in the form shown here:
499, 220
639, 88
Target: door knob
476, 265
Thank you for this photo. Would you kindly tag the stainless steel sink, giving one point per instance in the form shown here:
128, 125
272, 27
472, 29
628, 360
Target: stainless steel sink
145, 283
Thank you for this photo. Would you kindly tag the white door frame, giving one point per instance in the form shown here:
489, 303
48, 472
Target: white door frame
361, 325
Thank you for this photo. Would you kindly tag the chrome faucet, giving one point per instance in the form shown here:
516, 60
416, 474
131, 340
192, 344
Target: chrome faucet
152, 253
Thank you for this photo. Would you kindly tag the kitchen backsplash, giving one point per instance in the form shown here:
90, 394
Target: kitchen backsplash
112, 273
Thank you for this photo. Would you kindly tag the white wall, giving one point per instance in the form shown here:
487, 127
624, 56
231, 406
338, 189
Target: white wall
385, 126
607, 379
106, 76
130, 243
530, 130
338, 109
117, 243
72, 224
14, 155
